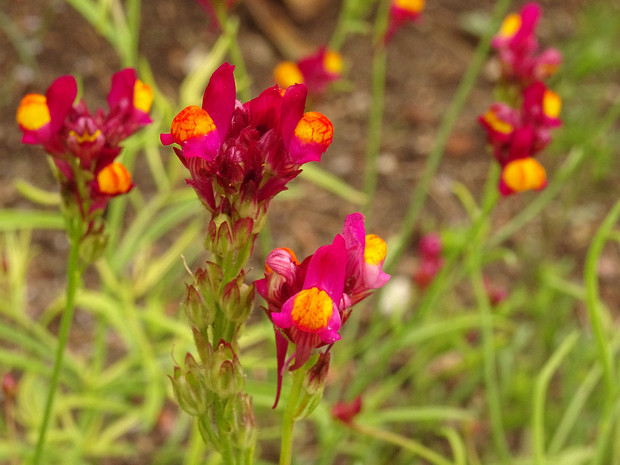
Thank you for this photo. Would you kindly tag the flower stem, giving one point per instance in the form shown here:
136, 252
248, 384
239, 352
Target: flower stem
593, 304
402, 442
419, 194
288, 419
375, 117
73, 281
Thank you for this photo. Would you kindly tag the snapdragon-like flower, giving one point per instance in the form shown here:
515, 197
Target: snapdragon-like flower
84, 145
316, 71
516, 136
309, 302
517, 47
241, 155
401, 12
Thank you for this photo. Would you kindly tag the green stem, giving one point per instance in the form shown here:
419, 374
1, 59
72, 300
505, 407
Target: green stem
593, 304
73, 281
402, 442
488, 347
288, 419
542, 382
419, 194
375, 117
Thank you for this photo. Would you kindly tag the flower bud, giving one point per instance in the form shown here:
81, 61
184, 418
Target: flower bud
225, 371
237, 299
189, 387
312, 388
245, 433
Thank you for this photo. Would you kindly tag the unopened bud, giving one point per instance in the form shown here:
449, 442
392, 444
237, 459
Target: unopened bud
312, 388
245, 434
225, 372
189, 387
238, 299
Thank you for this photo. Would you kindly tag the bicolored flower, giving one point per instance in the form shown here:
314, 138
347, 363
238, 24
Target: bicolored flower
365, 256
520, 134
401, 12
308, 302
241, 155
517, 47
69, 132
316, 71
41, 118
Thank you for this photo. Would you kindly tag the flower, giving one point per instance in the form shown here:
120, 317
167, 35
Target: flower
347, 411
240, 156
84, 145
365, 256
401, 12
518, 135
308, 302
517, 47
429, 248
316, 71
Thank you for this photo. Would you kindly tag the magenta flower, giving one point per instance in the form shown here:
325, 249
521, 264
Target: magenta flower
79, 140
402, 12
517, 47
431, 260
316, 71
366, 254
309, 302
521, 134
241, 155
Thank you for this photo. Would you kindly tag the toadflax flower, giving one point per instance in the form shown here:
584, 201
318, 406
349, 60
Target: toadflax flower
240, 156
516, 136
517, 47
519, 128
308, 302
401, 12
316, 71
84, 146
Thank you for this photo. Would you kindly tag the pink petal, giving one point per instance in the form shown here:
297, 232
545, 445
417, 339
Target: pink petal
219, 98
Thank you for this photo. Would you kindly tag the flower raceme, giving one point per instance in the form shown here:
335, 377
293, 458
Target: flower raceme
515, 135
241, 155
308, 302
79, 140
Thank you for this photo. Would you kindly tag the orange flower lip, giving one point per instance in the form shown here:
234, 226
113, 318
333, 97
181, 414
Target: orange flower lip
33, 112
375, 250
315, 128
114, 179
524, 174
191, 122
312, 309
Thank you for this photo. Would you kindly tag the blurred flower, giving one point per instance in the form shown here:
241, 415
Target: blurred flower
496, 293
347, 411
316, 71
9, 386
212, 7
401, 12
431, 260
309, 302
518, 135
517, 47
241, 155
84, 146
